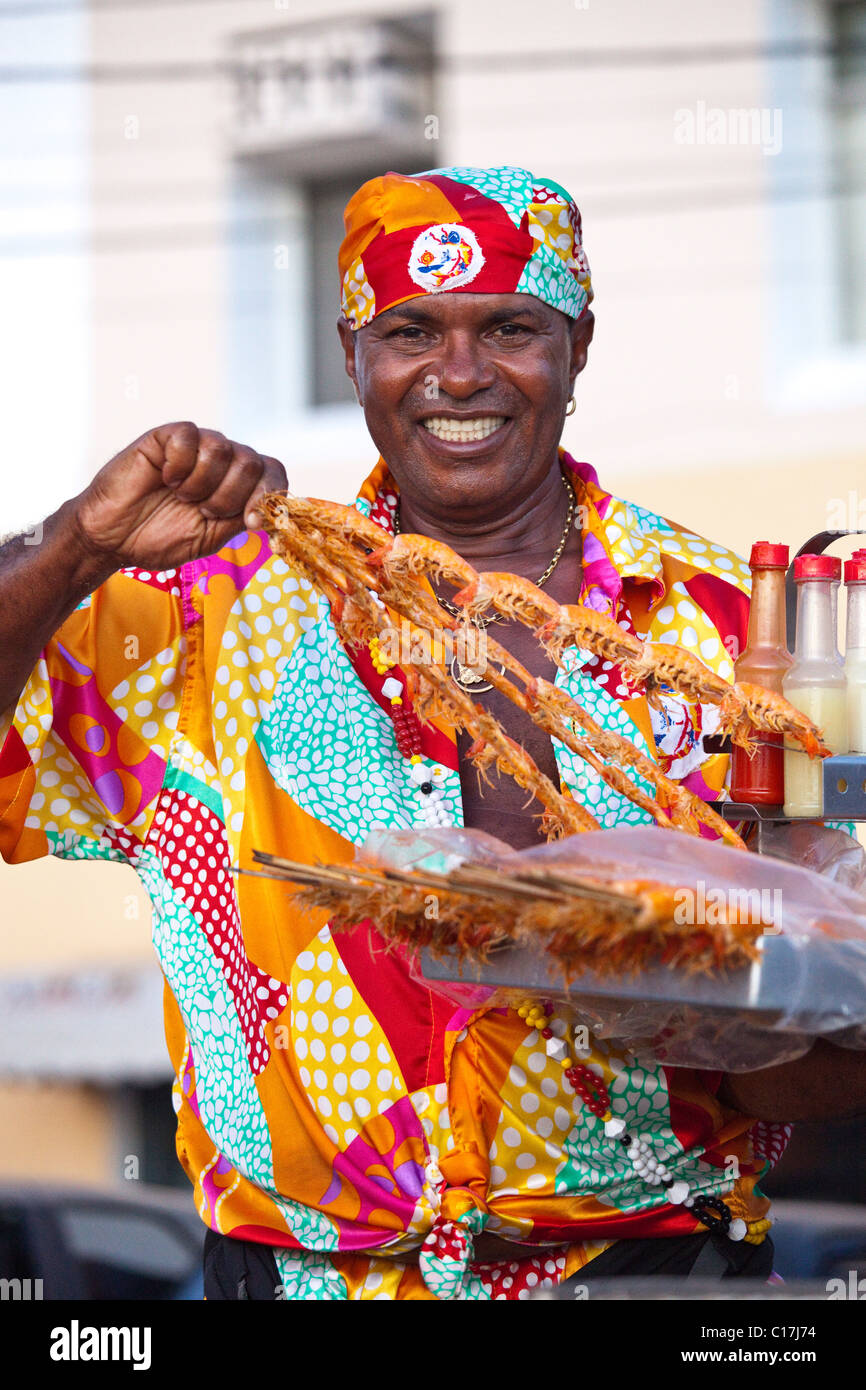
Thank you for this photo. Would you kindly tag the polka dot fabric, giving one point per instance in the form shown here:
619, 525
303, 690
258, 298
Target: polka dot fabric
345, 1063
328, 1102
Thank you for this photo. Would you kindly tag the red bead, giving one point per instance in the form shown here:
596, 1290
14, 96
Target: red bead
547, 1033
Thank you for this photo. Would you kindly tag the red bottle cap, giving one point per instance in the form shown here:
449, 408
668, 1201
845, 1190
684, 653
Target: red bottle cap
855, 568
817, 567
766, 555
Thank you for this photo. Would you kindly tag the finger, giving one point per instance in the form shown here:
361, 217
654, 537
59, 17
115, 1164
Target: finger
273, 480
169, 449
231, 496
215, 454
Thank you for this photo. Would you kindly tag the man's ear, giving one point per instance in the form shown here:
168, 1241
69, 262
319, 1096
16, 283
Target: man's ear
349, 340
581, 336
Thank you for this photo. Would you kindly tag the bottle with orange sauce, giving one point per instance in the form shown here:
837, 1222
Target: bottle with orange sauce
760, 780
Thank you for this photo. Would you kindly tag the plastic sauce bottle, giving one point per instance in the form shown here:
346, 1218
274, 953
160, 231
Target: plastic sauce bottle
855, 650
760, 779
815, 683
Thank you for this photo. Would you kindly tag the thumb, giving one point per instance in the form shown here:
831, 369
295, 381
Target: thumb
273, 480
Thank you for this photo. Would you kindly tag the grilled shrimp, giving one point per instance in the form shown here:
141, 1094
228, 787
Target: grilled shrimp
405, 556
751, 706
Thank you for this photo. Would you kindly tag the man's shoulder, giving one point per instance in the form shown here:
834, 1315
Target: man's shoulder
694, 591
656, 536
643, 543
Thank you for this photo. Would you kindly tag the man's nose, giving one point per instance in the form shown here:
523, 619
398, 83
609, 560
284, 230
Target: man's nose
464, 366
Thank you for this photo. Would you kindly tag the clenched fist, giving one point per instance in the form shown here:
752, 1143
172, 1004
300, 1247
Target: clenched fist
175, 494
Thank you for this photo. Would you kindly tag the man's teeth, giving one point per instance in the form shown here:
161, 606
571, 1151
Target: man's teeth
458, 431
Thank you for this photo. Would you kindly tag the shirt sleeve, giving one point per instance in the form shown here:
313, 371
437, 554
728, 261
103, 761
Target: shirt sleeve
85, 752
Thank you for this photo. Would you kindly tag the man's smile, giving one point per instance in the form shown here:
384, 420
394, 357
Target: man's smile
454, 436
459, 429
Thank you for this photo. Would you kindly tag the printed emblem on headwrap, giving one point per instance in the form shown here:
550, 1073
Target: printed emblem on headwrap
445, 256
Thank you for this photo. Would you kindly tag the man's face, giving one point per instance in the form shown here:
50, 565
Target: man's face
465, 394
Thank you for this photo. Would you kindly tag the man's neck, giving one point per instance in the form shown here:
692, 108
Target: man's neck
494, 536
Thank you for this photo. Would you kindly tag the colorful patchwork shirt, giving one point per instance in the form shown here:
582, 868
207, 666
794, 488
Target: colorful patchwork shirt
330, 1103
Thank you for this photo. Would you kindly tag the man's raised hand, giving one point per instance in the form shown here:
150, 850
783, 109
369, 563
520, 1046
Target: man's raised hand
175, 494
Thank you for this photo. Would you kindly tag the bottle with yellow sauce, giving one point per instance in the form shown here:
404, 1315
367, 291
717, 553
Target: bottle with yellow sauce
815, 683
855, 650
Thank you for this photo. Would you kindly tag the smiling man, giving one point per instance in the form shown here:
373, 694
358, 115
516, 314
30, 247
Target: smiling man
350, 1133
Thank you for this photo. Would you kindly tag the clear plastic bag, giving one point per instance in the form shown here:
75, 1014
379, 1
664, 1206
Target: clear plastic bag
810, 981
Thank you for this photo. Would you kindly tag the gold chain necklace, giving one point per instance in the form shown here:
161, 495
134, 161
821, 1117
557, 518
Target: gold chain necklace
465, 675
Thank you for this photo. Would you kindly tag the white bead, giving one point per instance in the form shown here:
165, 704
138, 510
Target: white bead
419, 773
652, 1164
679, 1193
437, 794
391, 688
432, 1173
689, 1202
633, 1152
737, 1229
556, 1049
614, 1128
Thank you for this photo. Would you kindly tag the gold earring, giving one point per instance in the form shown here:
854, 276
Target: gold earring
571, 407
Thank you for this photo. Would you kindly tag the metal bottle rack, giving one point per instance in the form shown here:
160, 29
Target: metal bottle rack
844, 773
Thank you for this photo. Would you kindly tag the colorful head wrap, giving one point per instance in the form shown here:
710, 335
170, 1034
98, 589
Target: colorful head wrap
484, 231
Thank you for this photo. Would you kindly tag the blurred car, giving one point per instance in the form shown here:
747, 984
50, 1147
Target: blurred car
141, 1243
146, 1242
819, 1240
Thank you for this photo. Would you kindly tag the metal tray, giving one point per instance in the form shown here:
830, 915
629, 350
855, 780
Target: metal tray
826, 990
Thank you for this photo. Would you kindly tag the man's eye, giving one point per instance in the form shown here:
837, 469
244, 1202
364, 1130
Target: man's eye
409, 331
511, 330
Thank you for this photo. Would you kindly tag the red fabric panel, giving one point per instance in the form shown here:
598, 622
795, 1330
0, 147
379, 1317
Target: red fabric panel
725, 606
411, 1016
14, 757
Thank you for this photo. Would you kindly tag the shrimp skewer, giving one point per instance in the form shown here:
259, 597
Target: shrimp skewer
491, 744
548, 714
556, 712
336, 519
584, 923
687, 809
547, 706
653, 664
493, 747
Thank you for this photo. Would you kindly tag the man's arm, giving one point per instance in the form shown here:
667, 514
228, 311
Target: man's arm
175, 494
829, 1083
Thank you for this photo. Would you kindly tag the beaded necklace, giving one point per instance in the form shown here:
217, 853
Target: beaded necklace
710, 1210
427, 780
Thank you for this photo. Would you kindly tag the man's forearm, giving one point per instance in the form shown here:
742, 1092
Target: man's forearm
40, 585
829, 1083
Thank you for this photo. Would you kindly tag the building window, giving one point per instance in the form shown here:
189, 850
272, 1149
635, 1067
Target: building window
317, 109
849, 98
